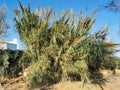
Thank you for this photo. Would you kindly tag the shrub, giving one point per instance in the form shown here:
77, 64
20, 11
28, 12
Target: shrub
63, 48
10, 63
118, 63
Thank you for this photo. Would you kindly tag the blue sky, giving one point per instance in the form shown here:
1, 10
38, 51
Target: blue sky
104, 17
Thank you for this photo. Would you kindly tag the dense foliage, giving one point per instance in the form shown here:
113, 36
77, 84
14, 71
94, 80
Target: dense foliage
10, 63
63, 49
118, 63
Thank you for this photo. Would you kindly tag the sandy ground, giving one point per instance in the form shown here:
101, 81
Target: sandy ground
112, 82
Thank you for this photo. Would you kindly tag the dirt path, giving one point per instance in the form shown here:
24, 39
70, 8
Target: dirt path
112, 83
1, 88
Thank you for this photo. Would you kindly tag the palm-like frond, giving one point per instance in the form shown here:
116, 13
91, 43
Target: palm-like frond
114, 5
66, 47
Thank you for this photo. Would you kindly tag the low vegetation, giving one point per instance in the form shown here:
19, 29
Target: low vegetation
10, 65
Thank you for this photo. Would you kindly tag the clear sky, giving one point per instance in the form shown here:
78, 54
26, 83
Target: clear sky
104, 17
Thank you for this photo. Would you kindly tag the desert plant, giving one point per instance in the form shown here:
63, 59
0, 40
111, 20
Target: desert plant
64, 48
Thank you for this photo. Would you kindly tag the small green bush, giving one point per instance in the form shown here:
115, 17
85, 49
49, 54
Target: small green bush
10, 65
118, 63
44, 72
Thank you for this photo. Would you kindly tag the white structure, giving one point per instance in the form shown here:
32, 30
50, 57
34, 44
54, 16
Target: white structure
12, 45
